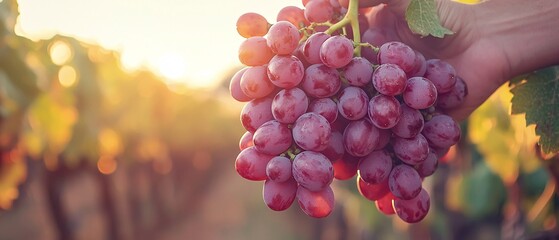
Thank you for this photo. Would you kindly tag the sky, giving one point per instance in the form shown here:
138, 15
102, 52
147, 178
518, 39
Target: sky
187, 41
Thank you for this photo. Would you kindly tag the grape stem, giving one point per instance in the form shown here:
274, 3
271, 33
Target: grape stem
292, 152
366, 44
351, 17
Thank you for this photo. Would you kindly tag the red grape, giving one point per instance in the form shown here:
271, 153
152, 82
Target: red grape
313, 170
312, 132
279, 196
336, 51
316, 204
254, 51
283, 38
289, 104
278, 169
251, 25
415, 209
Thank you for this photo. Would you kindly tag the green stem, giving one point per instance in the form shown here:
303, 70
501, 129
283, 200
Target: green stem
338, 25
292, 152
351, 17
353, 13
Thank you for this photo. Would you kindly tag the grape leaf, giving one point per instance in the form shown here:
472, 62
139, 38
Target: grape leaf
538, 97
422, 19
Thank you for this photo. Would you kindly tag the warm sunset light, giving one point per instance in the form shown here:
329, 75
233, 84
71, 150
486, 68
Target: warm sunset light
67, 76
172, 66
190, 42
285, 119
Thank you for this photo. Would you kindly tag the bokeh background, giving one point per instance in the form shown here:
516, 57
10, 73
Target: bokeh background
116, 123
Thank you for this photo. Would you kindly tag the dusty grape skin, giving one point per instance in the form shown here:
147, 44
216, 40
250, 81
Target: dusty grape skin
442, 131
255, 82
255, 113
441, 74
375, 167
376, 37
235, 87
325, 107
404, 182
412, 151
294, 15
319, 11
454, 97
312, 170
440, 152
358, 72
283, 38
255, 52
410, 124
279, 196
285, 71
335, 149
321, 81
316, 204
289, 104
371, 191
345, 167
420, 93
360, 137
340, 124
279, 169
272, 138
399, 54
389, 79
320, 90
429, 166
299, 54
251, 164
311, 47
384, 111
420, 66
415, 209
312, 132
353, 103
246, 141
385, 136
336, 51
251, 25
384, 204
336, 5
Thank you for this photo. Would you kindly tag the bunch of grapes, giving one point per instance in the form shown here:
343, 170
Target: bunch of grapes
316, 110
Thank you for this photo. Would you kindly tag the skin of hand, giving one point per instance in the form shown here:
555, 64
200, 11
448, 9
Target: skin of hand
490, 44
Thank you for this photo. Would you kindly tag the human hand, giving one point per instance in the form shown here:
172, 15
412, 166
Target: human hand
486, 49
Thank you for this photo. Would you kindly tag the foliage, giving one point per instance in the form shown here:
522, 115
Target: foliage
79, 106
537, 95
504, 141
422, 19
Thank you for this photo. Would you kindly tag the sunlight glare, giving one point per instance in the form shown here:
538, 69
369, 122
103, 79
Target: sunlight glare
67, 76
60, 53
171, 66
186, 42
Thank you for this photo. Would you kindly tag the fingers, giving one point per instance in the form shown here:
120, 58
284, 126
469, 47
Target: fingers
397, 6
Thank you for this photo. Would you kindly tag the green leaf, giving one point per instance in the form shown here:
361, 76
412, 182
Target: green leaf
517, 80
422, 19
538, 97
480, 186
